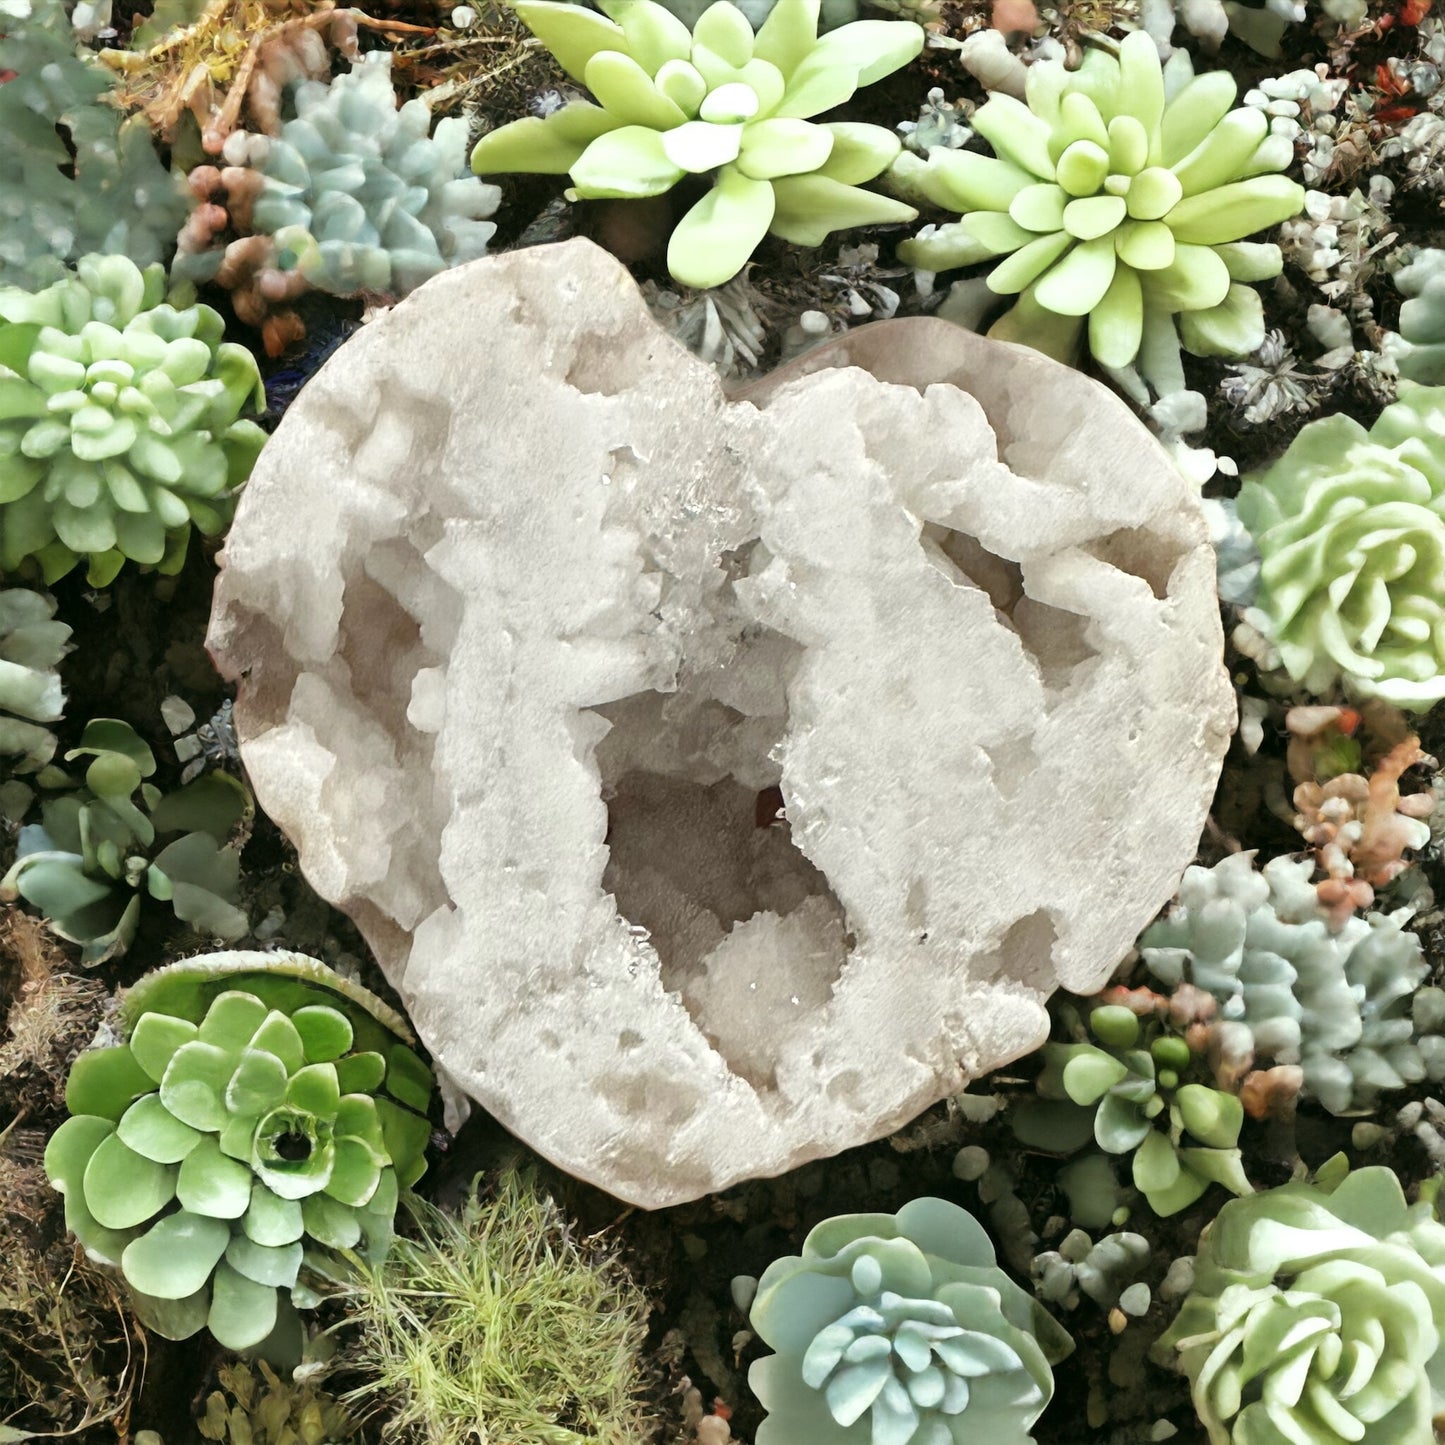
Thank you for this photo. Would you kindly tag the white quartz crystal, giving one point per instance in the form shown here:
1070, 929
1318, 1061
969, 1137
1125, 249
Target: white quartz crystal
720, 781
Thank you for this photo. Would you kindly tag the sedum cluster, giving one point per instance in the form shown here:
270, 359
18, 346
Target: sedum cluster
31, 646
1115, 206
1130, 1081
1315, 1316
1345, 1005
719, 102
900, 1330
1350, 526
1419, 347
101, 846
118, 422
104, 192
261, 1115
358, 194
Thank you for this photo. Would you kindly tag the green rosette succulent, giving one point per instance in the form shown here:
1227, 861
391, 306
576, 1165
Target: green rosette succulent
1315, 1317
1350, 526
31, 645
718, 101
119, 422
100, 847
1118, 210
261, 1116
900, 1329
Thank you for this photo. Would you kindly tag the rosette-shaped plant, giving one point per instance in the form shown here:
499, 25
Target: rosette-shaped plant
1350, 525
719, 102
900, 1329
118, 422
1132, 1082
1316, 1316
31, 644
1341, 1003
98, 848
261, 1115
1113, 202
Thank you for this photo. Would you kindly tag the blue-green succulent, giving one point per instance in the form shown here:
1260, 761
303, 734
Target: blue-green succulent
900, 1329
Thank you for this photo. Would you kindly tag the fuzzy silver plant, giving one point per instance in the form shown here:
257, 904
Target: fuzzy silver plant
1337, 1003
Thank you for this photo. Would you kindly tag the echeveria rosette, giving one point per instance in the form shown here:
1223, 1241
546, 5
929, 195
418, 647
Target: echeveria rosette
1350, 525
900, 1329
716, 101
119, 422
262, 1115
1108, 201
1315, 1317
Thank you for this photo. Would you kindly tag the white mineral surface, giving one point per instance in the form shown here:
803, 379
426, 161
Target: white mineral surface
720, 781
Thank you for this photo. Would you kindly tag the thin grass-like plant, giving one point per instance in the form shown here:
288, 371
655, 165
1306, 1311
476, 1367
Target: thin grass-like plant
500, 1327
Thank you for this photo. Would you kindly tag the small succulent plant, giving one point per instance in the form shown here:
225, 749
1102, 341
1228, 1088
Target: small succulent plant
1316, 1315
1350, 525
104, 192
100, 847
1339, 1003
256, 1406
1117, 203
118, 422
1419, 348
354, 194
31, 645
720, 102
900, 1330
1101, 1271
261, 1115
1130, 1080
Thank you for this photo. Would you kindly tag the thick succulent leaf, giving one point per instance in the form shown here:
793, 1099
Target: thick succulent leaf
631, 163
714, 240
654, 34
274, 1265
355, 1174
779, 147
212, 1184
1235, 327
104, 1082
70, 1148
155, 1039
211, 804
242, 1312
810, 208
124, 1189
548, 145
175, 1256
194, 1086
172, 1319
572, 34
330, 1222
408, 1080
325, 1032
151, 1129
270, 1219
314, 1090
626, 91
788, 35
1229, 213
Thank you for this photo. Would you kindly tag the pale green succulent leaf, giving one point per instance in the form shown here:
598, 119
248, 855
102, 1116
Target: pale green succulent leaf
549, 145
626, 91
788, 35
809, 208
212, 1184
103, 1082
779, 147
654, 34
326, 1033
572, 34
242, 1311
151, 1129
714, 240
1229, 213
629, 163
1235, 327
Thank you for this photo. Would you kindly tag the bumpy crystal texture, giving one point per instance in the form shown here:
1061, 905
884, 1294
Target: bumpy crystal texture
900, 1330
118, 422
1118, 202
261, 1115
1315, 1316
1350, 526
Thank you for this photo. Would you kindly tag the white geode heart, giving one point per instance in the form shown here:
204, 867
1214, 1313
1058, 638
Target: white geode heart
720, 782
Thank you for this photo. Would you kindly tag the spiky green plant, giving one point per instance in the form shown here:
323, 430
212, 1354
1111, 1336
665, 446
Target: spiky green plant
501, 1327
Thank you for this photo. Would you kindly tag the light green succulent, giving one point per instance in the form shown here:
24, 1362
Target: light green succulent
261, 1116
1315, 1316
100, 847
900, 1330
118, 422
1342, 1002
1419, 347
718, 102
1118, 202
1350, 526
31, 645
1132, 1082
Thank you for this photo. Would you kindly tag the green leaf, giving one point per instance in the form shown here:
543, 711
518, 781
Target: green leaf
788, 35
104, 1082
258, 1084
330, 1222
175, 1256
325, 1032
1229, 213
408, 1080
194, 1086
123, 1188
278, 1036
809, 208
549, 145
177, 1319
1091, 1073
625, 91
1156, 1166
150, 1129
1211, 1116
232, 1020
270, 1219
155, 1039
714, 240
314, 1090
630, 163
360, 1073
70, 1149
355, 1174
274, 1265
243, 1312
212, 1184
1235, 327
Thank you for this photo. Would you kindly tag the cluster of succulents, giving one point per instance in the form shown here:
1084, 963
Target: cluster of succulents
256, 1124
120, 422
1345, 1004
1117, 202
1350, 526
105, 843
1101, 1271
1315, 1315
32, 643
721, 102
352, 195
903, 1321
1128, 1084
105, 192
